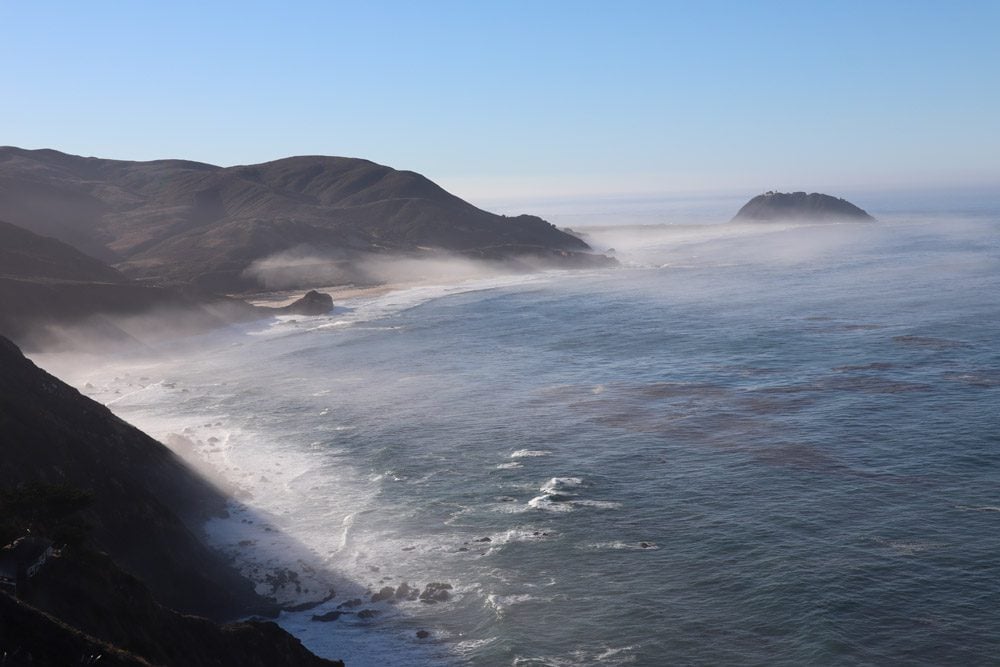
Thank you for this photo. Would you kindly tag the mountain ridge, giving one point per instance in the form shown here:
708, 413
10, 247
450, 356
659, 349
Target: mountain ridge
196, 223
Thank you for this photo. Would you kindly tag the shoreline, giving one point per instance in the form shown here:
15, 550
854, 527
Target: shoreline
360, 642
282, 298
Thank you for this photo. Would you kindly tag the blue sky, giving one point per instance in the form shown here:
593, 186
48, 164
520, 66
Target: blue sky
523, 98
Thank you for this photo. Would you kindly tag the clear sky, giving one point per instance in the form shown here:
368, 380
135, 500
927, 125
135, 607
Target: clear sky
522, 98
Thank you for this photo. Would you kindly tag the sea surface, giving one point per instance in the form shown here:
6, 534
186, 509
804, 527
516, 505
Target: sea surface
748, 444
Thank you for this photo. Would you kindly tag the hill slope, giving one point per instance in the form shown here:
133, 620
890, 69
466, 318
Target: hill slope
54, 295
27, 255
145, 498
197, 223
142, 508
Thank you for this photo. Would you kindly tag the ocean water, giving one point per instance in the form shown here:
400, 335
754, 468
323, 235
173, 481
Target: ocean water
746, 445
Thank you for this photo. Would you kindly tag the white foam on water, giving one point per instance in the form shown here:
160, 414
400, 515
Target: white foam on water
525, 453
622, 546
559, 484
514, 535
601, 504
500, 605
469, 646
623, 655
546, 503
361, 643
558, 496
983, 508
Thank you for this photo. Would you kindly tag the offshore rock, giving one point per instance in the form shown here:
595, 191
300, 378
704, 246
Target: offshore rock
386, 593
435, 592
329, 616
405, 592
312, 303
813, 207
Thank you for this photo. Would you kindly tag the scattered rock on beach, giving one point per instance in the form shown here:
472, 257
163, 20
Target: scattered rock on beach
423, 634
351, 604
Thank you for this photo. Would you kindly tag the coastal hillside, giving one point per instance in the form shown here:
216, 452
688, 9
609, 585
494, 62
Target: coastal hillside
27, 256
123, 512
812, 207
53, 295
195, 223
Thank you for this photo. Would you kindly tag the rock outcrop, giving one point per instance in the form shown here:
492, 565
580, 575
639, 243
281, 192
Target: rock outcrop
813, 207
311, 303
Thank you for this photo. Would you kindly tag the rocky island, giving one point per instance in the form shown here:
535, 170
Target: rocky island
813, 207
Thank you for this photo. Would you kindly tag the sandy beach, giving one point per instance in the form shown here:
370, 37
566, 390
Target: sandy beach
337, 292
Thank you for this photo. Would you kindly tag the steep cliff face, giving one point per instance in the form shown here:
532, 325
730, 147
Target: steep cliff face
133, 558
813, 207
30, 637
179, 221
89, 592
146, 502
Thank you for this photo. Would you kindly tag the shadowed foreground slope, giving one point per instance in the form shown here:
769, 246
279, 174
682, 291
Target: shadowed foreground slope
145, 506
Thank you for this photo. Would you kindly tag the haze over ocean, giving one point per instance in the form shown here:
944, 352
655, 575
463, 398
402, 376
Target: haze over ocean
748, 444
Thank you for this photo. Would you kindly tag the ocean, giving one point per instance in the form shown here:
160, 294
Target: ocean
748, 444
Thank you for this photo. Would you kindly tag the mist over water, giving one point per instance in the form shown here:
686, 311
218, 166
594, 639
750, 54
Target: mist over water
749, 444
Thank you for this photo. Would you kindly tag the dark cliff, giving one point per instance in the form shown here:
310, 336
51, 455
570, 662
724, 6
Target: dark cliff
132, 558
89, 592
146, 502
